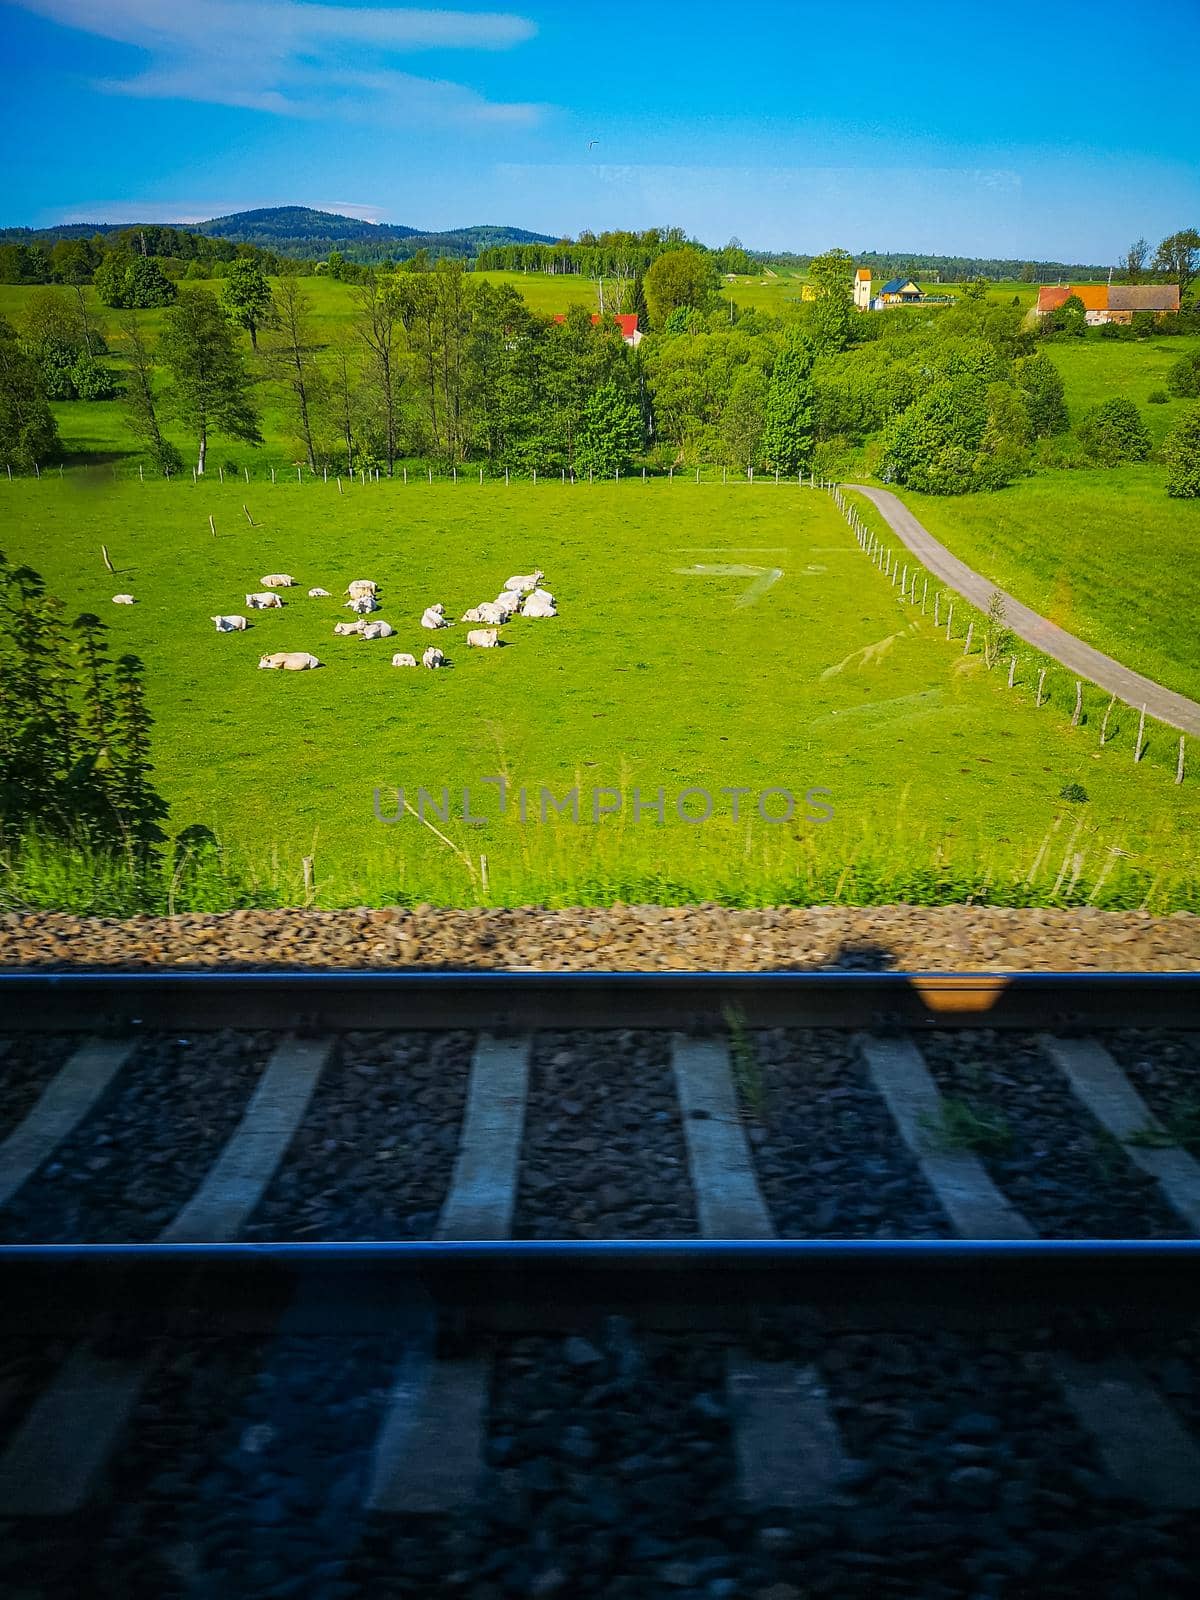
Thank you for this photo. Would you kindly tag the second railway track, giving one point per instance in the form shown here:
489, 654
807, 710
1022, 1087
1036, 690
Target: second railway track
633, 1321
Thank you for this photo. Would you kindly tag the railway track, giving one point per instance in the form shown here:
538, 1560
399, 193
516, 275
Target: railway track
496, 1284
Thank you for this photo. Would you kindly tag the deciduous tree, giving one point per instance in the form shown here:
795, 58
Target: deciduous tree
28, 432
210, 391
1181, 452
787, 437
246, 298
676, 278
1178, 259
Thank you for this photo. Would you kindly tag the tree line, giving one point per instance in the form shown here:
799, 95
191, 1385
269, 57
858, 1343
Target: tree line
444, 365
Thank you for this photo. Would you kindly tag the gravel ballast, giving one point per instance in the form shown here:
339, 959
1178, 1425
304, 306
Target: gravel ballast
829, 1160
133, 1162
1057, 1165
633, 938
28, 1062
603, 1154
374, 1155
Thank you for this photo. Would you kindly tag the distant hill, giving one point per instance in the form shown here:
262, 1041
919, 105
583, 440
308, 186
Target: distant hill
301, 232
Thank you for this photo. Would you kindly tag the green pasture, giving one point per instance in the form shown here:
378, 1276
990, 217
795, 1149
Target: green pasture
1095, 370
658, 673
1104, 553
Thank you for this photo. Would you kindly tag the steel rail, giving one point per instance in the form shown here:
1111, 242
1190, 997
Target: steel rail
307, 999
549, 1284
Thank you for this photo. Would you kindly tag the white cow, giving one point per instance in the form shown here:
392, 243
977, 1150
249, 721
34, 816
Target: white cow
289, 661
471, 616
483, 638
434, 617
362, 605
318, 594
433, 657
278, 580
362, 586
123, 600
342, 629
378, 630
263, 602
524, 583
232, 624
491, 613
402, 659
539, 604
508, 603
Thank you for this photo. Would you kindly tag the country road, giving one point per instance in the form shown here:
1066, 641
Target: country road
1161, 703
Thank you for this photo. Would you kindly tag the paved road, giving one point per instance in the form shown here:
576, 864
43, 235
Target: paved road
1162, 704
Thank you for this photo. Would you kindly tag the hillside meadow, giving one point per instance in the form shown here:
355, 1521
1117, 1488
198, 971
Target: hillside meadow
798, 669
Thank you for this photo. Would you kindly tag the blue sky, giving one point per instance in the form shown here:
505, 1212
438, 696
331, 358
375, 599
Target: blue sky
1031, 132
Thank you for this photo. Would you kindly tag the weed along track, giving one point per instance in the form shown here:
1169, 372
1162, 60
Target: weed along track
600, 1284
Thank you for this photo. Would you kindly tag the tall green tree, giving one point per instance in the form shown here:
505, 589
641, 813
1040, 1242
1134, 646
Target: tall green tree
28, 431
685, 277
380, 325
1133, 266
610, 435
141, 406
1178, 259
292, 358
789, 418
744, 414
832, 315
246, 298
210, 390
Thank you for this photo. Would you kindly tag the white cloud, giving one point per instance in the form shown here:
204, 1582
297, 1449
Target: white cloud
291, 58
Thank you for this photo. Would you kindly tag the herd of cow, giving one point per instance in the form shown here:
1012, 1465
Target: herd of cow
522, 595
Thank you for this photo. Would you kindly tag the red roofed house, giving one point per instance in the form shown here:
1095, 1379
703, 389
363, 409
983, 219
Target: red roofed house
627, 322
1110, 302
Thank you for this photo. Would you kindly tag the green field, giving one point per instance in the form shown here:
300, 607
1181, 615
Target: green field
943, 782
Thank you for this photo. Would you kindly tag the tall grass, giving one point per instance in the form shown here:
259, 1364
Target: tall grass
564, 865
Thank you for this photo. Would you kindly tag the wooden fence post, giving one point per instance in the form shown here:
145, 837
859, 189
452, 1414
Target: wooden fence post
970, 631
1137, 753
1104, 724
212, 525
1012, 671
1179, 763
1078, 711
949, 620
1041, 681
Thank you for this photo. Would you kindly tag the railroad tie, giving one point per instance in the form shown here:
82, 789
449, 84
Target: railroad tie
786, 1442
1142, 1443
483, 1190
729, 1204
238, 1179
1098, 1081
429, 1451
975, 1206
68, 1434
64, 1102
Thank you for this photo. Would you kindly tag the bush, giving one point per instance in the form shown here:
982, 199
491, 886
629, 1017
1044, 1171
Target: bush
93, 381
1182, 455
1158, 397
1040, 382
1114, 431
962, 434
1183, 379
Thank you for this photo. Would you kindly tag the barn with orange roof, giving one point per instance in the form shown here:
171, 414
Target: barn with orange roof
1110, 302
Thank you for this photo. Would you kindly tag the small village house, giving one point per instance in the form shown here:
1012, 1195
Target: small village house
899, 292
627, 321
1110, 302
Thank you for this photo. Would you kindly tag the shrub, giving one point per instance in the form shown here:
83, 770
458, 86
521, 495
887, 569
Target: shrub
1114, 431
1158, 397
962, 434
1184, 377
1182, 455
1073, 792
1040, 381
93, 381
